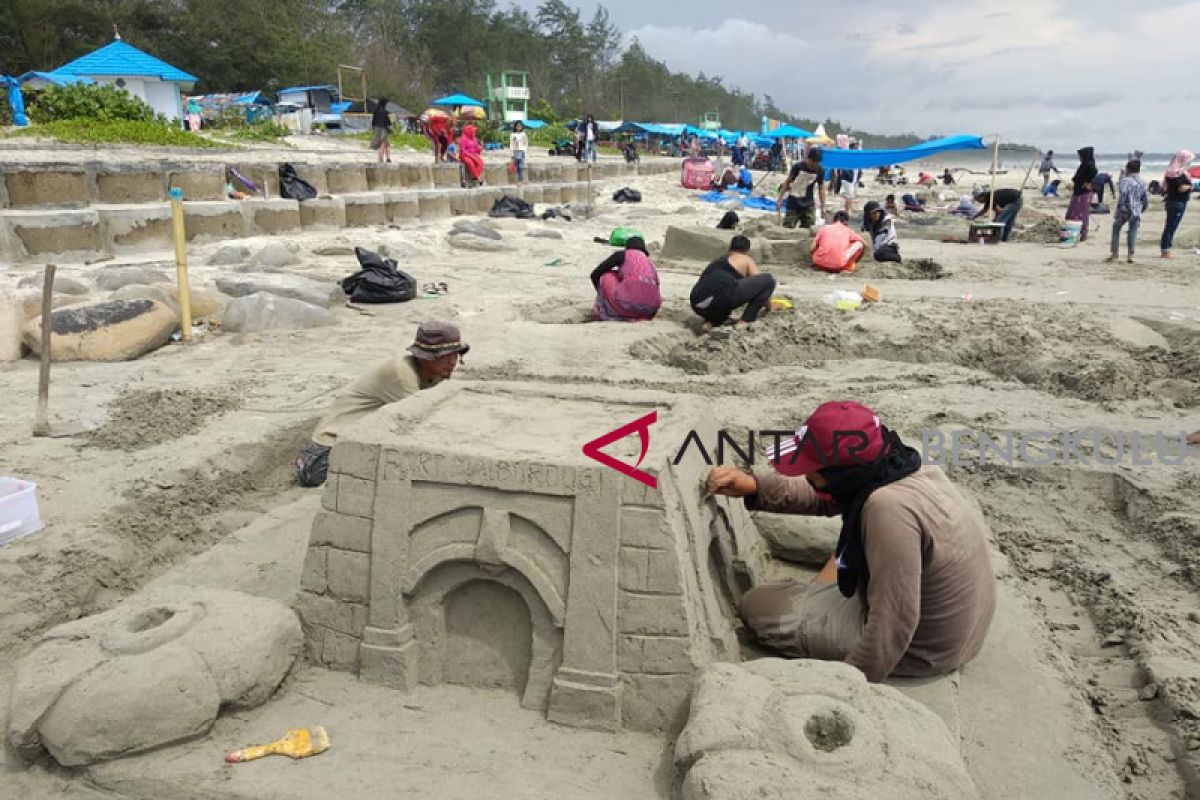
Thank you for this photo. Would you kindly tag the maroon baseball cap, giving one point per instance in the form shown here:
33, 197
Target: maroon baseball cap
838, 434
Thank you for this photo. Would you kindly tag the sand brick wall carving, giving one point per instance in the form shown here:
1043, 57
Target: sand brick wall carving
454, 499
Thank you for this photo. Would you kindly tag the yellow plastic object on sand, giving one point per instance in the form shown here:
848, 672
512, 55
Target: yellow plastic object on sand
298, 743
778, 303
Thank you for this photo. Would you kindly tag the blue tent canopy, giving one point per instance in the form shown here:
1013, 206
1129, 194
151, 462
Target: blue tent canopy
834, 158
788, 132
457, 100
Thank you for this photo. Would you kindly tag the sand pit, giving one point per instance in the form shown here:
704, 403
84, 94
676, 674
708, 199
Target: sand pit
138, 419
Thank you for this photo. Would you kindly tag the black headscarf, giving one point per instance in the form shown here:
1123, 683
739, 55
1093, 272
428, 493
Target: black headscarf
850, 486
1082, 180
636, 243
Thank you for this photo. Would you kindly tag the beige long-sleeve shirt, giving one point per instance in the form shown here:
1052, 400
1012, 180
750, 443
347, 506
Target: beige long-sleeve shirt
931, 592
386, 382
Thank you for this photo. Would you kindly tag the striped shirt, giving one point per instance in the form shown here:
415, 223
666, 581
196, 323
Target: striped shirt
1132, 197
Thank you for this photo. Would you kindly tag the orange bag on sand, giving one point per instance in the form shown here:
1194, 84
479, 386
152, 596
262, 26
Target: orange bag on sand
871, 294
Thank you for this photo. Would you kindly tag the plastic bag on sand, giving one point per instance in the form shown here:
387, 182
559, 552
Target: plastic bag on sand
844, 300
509, 206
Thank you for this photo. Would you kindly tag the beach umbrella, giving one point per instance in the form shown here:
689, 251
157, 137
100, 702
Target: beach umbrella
789, 132
820, 137
471, 113
457, 100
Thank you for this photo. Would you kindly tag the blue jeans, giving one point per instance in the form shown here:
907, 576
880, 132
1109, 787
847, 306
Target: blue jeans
590, 152
519, 160
1008, 217
1175, 211
1130, 237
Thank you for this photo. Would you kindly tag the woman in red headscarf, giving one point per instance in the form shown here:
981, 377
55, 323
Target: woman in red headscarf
471, 152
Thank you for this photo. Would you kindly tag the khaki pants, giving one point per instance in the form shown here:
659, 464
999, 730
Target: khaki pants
804, 621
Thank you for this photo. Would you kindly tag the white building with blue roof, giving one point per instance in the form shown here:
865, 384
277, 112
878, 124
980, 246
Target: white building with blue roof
145, 77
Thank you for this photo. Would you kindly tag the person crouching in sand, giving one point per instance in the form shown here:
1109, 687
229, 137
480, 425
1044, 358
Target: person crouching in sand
731, 281
910, 590
836, 248
626, 285
431, 359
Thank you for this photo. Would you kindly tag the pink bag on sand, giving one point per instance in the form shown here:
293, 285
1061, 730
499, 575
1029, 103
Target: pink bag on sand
697, 173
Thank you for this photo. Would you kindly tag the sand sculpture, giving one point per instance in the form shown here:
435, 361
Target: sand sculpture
462, 541
155, 670
766, 729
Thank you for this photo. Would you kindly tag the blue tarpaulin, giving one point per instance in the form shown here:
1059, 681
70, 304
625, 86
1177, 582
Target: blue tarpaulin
457, 100
16, 103
834, 158
788, 132
748, 201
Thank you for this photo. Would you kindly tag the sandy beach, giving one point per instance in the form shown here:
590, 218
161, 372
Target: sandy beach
164, 465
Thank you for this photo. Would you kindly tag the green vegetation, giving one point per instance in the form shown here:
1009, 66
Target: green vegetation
118, 131
82, 101
266, 131
413, 50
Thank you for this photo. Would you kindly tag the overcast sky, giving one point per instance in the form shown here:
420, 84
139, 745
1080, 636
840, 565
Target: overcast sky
1058, 74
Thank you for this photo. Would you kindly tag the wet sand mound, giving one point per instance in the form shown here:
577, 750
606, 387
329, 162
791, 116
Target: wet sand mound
1058, 350
917, 269
143, 418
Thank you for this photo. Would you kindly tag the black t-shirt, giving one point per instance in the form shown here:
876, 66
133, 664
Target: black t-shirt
380, 118
1004, 197
718, 279
1173, 194
803, 173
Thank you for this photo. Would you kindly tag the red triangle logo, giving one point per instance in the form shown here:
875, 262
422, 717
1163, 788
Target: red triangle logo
642, 426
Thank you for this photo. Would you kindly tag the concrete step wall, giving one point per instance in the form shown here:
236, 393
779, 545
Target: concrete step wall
59, 186
51, 220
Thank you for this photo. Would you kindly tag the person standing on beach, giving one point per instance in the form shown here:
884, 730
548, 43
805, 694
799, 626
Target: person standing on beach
1080, 208
193, 114
518, 144
1132, 199
591, 137
849, 188
804, 179
381, 128
1046, 167
1177, 190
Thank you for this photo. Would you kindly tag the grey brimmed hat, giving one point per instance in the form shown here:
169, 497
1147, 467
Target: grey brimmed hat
436, 339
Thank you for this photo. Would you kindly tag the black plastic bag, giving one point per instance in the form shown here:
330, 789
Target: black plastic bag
627, 195
379, 281
556, 213
292, 186
509, 206
729, 222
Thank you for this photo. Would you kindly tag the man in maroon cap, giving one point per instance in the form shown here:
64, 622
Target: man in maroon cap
910, 589
431, 360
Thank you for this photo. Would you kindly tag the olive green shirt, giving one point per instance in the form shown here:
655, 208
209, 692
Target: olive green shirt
387, 382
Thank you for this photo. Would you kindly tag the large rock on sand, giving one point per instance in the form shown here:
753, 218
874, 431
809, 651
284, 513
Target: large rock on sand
12, 321
62, 284
154, 670
277, 255
469, 241
308, 291
229, 254
776, 729
117, 277
114, 330
702, 244
265, 312
473, 228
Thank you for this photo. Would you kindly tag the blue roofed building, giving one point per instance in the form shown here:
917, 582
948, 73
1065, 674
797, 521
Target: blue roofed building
40, 80
147, 78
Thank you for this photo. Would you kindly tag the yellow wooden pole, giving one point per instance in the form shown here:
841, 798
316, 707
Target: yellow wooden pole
185, 298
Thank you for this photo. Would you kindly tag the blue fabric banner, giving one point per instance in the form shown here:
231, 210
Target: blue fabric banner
833, 158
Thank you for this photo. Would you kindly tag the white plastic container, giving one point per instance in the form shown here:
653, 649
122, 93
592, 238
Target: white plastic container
18, 509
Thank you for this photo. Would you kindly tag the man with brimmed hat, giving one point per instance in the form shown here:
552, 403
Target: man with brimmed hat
910, 589
430, 360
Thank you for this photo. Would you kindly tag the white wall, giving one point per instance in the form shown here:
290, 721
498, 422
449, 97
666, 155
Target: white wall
164, 98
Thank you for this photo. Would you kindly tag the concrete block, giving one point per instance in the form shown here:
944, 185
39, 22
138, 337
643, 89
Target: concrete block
122, 186
461, 201
47, 189
214, 220
316, 175
496, 173
346, 179
323, 213
355, 496
483, 199
342, 531
272, 216
416, 176
137, 228
53, 232
531, 193
314, 577
433, 204
381, 177
402, 205
446, 176
651, 614
199, 183
265, 177
552, 194
365, 210
349, 575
